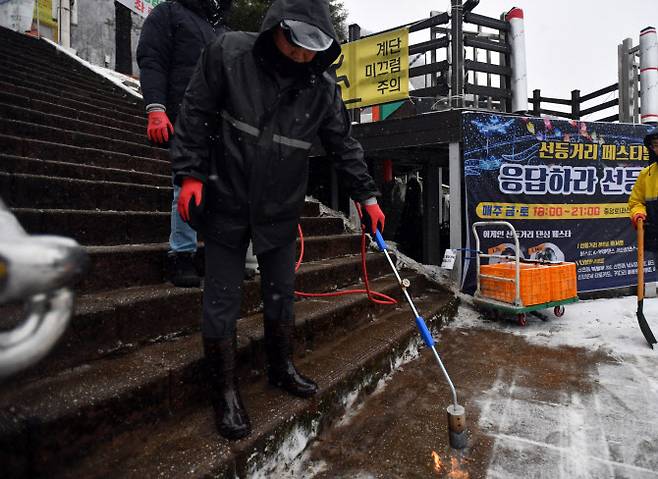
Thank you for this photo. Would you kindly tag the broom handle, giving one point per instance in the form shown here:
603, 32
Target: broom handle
640, 259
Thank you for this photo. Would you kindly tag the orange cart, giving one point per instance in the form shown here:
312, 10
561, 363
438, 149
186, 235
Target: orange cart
518, 286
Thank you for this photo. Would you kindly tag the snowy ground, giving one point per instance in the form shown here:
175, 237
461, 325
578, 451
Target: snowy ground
608, 432
568, 398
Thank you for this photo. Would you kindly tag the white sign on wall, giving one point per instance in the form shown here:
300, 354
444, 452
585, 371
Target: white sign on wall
449, 259
16, 14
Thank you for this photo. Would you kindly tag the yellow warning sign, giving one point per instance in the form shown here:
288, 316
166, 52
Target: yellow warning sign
47, 15
374, 70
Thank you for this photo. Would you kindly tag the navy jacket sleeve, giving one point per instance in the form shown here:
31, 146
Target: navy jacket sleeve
154, 52
336, 136
197, 120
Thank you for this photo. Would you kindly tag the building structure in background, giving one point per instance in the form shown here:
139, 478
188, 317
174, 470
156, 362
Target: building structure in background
92, 33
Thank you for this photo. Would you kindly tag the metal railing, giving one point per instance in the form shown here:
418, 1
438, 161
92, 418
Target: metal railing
575, 104
627, 89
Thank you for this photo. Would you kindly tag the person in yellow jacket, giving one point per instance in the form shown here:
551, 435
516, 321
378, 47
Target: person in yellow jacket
643, 202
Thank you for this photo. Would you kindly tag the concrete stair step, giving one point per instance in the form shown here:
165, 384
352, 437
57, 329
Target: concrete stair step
123, 266
75, 138
120, 266
81, 106
39, 117
23, 41
53, 77
164, 396
59, 169
124, 319
78, 95
71, 74
45, 56
69, 113
56, 192
18, 44
34, 191
55, 62
128, 227
47, 150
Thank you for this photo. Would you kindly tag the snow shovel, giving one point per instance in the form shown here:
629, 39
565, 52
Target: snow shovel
644, 326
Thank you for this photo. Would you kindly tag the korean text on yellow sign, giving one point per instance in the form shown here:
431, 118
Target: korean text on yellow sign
375, 70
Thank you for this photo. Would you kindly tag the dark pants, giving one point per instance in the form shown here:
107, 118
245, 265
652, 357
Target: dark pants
222, 293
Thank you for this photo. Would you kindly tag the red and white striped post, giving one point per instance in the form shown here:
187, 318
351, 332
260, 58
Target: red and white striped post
518, 60
649, 75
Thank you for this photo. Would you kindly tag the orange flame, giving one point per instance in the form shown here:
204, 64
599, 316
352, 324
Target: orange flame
437, 462
455, 472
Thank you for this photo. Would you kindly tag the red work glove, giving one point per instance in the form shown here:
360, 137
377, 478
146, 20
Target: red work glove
376, 217
638, 216
192, 188
159, 127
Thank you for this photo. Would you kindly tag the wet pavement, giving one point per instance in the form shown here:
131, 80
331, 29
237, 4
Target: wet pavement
533, 411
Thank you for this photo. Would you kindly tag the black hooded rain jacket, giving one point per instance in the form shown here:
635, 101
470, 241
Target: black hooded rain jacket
170, 44
246, 126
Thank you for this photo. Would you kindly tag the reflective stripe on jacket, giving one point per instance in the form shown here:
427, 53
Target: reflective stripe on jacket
245, 129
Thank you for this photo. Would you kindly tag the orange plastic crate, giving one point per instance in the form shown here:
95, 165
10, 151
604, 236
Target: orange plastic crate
563, 281
534, 283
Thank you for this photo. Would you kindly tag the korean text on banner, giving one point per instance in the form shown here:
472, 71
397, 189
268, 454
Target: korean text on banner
374, 70
141, 7
564, 185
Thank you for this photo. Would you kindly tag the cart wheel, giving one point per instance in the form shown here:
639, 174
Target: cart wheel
558, 311
521, 319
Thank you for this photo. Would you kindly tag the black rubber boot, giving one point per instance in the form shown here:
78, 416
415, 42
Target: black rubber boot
281, 371
182, 270
230, 416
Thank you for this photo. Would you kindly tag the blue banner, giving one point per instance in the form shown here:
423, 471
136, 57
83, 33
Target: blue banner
564, 185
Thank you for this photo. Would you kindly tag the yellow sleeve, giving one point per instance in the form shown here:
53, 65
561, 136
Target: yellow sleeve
636, 203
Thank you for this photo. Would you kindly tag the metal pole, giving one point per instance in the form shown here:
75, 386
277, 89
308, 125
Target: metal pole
431, 193
433, 36
354, 33
575, 104
456, 212
625, 113
457, 48
38, 21
505, 104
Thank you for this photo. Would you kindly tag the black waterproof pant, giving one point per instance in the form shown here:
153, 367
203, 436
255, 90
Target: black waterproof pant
222, 293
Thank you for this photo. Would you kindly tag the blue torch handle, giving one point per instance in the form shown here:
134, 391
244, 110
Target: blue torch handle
424, 332
380, 240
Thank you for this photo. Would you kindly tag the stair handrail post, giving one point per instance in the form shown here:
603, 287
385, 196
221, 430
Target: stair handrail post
536, 102
505, 60
575, 104
64, 22
38, 21
624, 75
354, 34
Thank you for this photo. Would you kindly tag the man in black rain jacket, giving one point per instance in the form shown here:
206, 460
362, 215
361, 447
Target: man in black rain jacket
172, 38
253, 107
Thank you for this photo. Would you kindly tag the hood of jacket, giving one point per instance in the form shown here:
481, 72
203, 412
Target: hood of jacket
314, 12
214, 11
653, 134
